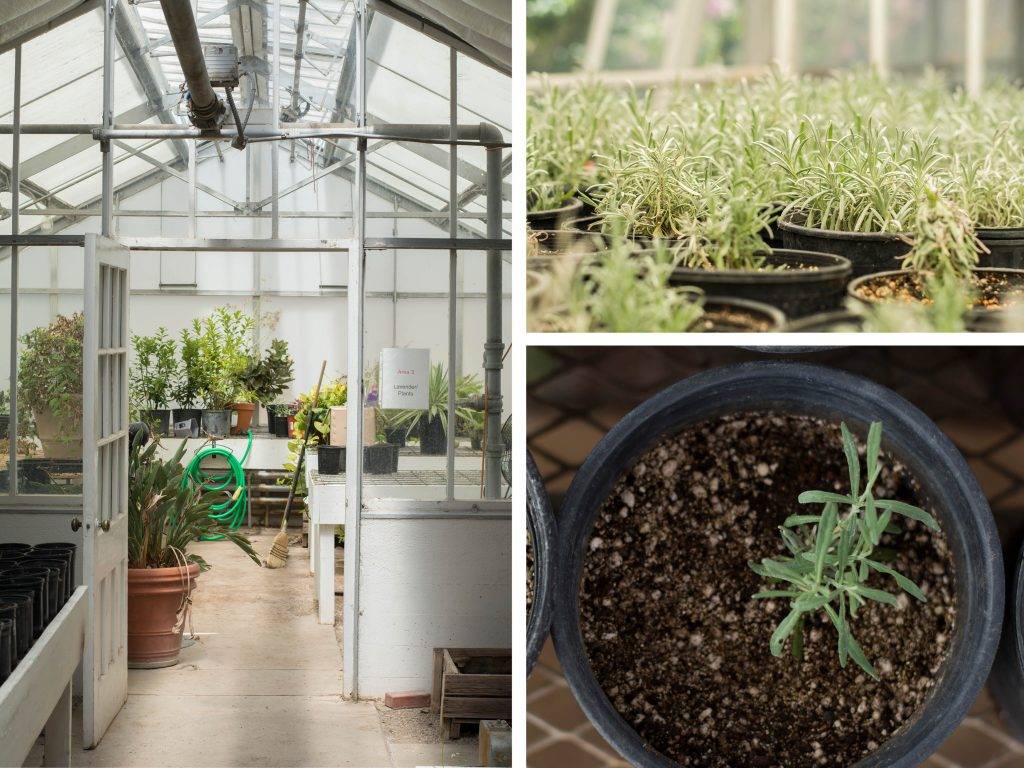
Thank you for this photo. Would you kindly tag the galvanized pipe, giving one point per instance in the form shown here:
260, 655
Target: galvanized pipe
207, 109
494, 347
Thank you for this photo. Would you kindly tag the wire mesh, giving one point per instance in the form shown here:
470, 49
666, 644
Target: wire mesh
574, 395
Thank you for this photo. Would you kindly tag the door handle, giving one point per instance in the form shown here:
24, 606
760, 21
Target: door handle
105, 525
76, 523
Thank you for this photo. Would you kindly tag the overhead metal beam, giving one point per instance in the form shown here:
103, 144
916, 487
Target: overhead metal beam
39, 18
249, 35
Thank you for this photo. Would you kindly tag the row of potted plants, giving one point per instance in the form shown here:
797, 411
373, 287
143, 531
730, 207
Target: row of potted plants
211, 373
803, 194
825, 587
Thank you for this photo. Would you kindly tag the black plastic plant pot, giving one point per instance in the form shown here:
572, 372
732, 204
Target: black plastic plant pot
800, 389
36, 587
396, 436
381, 459
836, 321
1006, 247
433, 439
1006, 682
867, 251
330, 459
724, 314
554, 218
540, 521
14, 547
217, 422
186, 414
804, 283
7, 652
65, 549
9, 612
54, 588
22, 602
1005, 282
159, 419
5, 425
41, 560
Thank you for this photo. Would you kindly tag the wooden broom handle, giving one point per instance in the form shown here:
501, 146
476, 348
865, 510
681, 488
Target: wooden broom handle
302, 451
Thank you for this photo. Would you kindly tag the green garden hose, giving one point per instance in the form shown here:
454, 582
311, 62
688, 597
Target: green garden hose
231, 511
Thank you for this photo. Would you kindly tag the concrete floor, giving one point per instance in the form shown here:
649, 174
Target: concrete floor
261, 687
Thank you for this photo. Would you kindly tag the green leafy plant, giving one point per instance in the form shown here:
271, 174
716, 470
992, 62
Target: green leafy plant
194, 376
832, 554
331, 394
267, 377
466, 386
223, 351
154, 371
945, 310
166, 512
943, 242
50, 373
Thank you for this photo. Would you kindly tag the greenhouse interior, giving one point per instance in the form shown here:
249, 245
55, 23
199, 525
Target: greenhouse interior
255, 483
786, 165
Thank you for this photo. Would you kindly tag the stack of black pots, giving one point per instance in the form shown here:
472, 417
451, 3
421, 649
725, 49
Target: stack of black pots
35, 583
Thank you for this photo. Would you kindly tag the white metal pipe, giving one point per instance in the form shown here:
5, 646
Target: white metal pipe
974, 75
12, 429
453, 268
494, 346
107, 178
784, 35
878, 36
354, 452
601, 21
207, 110
275, 207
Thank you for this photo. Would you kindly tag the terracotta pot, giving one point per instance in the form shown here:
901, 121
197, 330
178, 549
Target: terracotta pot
59, 439
243, 417
154, 597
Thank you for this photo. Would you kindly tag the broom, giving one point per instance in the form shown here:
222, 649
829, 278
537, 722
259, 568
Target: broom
279, 549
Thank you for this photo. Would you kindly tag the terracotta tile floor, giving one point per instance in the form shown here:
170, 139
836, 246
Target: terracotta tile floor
579, 393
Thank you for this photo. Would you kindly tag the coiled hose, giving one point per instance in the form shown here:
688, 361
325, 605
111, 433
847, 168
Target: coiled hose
231, 511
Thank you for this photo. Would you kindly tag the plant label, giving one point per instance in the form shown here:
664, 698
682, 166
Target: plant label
404, 375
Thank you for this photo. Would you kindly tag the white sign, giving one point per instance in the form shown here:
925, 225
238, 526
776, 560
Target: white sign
404, 375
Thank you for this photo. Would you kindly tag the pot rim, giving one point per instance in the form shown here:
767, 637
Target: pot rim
804, 324
857, 282
787, 222
829, 266
812, 389
143, 574
1000, 233
543, 527
574, 204
773, 315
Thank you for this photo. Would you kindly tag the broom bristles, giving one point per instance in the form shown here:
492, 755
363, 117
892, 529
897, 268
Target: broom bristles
278, 551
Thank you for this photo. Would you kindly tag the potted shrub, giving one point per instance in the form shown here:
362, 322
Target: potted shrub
154, 375
682, 653
266, 378
279, 416
432, 424
332, 395
50, 384
166, 514
5, 413
223, 349
192, 380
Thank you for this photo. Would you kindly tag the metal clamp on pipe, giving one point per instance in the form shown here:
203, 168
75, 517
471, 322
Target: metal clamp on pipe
205, 108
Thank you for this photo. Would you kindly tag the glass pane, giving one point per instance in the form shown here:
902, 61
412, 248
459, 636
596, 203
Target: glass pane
50, 338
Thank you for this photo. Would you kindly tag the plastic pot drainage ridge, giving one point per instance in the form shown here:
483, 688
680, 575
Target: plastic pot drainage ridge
544, 535
799, 388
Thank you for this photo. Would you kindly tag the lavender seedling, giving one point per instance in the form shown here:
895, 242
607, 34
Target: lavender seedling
833, 554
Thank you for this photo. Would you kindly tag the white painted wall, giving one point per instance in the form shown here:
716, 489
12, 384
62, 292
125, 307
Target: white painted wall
428, 584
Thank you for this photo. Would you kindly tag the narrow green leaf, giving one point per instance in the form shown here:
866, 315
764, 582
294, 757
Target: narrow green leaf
795, 520
905, 584
908, 510
824, 497
874, 446
876, 594
783, 631
773, 593
852, 459
854, 649
824, 539
797, 640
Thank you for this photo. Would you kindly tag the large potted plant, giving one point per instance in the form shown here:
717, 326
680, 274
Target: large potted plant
266, 378
154, 376
50, 384
432, 423
223, 352
192, 379
166, 514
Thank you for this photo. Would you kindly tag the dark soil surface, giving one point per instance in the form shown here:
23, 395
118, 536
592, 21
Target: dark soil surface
993, 290
681, 649
723, 320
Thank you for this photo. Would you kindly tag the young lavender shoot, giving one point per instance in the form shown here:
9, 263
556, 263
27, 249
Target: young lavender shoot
833, 554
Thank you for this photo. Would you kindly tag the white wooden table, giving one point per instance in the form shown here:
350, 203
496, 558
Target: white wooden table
37, 695
418, 479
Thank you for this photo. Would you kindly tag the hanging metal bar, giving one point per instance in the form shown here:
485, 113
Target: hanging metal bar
453, 268
107, 179
275, 205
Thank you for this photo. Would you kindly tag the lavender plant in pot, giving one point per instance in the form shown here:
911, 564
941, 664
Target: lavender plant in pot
776, 564
166, 514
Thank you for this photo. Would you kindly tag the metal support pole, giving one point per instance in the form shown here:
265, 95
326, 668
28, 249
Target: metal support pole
12, 434
354, 452
784, 35
107, 186
974, 75
494, 347
275, 205
878, 36
453, 268
601, 21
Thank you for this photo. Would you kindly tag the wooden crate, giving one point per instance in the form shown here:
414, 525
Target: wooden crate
471, 684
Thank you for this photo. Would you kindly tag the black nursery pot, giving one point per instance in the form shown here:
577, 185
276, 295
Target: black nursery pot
63, 566
798, 388
544, 537
433, 440
723, 314
64, 550
1007, 680
381, 459
184, 414
22, 601
396, 436
159, 419
867, 251
7, 642
36, 587
330, 459
807, 282
54, 585
554, 218
1006, 247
